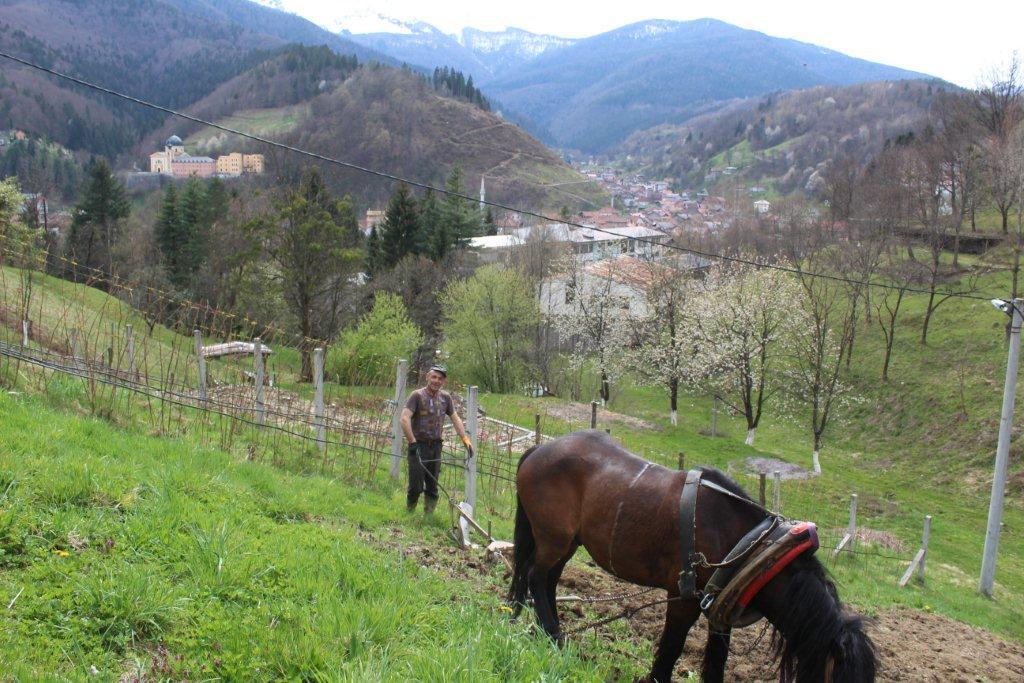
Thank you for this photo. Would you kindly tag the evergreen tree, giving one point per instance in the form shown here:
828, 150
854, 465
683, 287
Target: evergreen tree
98, 218
489, 227
460, 216
305, 241
400, 233
170, 235
352, 237
435, 230
217, 201
194, 214
374, 253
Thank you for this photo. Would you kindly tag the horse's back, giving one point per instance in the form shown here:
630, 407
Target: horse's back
586, 489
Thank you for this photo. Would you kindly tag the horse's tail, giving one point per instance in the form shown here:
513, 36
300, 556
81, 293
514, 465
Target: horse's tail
523, 554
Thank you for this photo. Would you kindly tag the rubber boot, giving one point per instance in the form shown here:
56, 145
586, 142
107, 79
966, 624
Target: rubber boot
428, 505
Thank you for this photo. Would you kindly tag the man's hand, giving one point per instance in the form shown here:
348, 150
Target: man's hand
468, 444
414, 449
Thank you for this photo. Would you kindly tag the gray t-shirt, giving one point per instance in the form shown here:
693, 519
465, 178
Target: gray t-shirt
428, 413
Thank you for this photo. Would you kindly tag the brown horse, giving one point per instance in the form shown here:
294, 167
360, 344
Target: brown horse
585, 489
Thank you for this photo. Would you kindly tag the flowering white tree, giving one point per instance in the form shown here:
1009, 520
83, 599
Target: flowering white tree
743, 321
597, 324
666, 349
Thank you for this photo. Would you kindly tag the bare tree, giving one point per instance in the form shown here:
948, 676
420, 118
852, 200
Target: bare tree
999, 109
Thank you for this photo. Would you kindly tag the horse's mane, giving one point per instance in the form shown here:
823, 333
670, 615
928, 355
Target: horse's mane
723, 480
818, 628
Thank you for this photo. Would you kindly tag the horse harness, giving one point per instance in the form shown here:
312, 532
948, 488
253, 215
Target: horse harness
755, 560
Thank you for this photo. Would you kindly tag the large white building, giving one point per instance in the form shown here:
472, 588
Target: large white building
589, 244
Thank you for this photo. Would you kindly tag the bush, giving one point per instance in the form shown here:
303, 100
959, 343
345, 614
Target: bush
366, 353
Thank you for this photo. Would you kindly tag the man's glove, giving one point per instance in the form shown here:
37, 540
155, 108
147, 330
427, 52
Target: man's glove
414, 449
468, 444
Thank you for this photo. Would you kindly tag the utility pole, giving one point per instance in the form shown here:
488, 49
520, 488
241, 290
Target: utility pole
995, 506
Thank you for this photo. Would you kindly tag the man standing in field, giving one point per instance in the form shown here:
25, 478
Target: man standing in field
423, 423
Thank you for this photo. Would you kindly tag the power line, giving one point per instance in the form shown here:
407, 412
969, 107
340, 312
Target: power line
497, 205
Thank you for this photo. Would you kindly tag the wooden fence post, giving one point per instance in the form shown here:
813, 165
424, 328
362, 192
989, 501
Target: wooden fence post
714, 418
26, 324
761, 486
536, 429
682, 461
401, 371
925, 536
130, 344
257, 359
471, 427
593, 414
201, 363
919, 559
113, 343
318, 400
776, 491
76, 351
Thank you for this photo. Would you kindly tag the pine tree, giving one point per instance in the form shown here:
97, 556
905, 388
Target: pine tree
489, 227
435, 230
98, 218
193, 212
352, 237
400, 233
374, 253
460, 216
170, 236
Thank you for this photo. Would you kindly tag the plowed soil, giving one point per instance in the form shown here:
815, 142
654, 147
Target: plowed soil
912, 645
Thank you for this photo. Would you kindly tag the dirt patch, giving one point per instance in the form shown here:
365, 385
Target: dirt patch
579, 413
880, 539
768, 466
912, 645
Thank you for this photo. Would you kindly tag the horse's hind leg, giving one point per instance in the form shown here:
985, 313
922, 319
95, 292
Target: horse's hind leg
679, 617
547, 567
715, 654
554, 574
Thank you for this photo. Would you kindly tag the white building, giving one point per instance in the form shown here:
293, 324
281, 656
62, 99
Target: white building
589, 243
623, 278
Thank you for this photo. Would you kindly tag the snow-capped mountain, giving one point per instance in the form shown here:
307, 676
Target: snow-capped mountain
502, 50
482, 54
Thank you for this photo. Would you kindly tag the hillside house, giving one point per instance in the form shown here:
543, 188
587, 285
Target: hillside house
625, 278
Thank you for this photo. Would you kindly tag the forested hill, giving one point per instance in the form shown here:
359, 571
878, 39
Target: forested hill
172, 52
378, 117
784, 139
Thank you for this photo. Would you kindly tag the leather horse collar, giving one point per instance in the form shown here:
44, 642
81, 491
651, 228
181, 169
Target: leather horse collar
757, 558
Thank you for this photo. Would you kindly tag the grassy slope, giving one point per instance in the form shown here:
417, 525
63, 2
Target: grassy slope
126, 551
913, 448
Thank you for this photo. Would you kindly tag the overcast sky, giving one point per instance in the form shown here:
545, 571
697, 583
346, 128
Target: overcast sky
958, 42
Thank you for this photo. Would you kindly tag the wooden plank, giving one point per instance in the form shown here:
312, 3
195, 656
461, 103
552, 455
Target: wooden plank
913, 566
847, 538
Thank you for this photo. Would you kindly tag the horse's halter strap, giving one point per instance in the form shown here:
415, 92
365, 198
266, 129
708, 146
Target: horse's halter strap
754, 561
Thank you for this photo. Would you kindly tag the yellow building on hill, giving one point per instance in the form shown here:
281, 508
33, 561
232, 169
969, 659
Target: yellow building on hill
174, 158
238, 163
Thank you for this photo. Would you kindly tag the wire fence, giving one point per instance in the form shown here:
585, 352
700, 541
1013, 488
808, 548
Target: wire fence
139, 354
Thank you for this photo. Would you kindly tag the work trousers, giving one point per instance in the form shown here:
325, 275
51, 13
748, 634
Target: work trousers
429, 458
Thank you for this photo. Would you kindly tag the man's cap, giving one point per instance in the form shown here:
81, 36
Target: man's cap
439, 369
